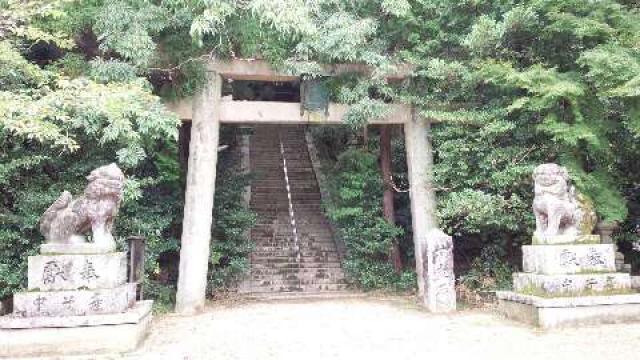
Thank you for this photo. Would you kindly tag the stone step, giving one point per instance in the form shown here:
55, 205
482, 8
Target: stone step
255, 259
274, 157
278, 179
297, 199
308, 295
312, 247
292, 259
265, 208
285, 232
309, 219
303, 265
287, 253
294, 279
303, 288
336, 272
303, 244
296, 282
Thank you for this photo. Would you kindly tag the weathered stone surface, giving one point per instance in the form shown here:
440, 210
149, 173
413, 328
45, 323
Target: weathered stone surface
62, 336
69, 272
572, 283
568, 259
569, 301
417, 134
67, 220
558, 209
131, 316
440, 294
199, 194
569, 312
565, 240
635, 282
74, 302
77, 249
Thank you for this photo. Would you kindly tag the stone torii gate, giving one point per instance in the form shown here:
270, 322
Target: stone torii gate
207, 110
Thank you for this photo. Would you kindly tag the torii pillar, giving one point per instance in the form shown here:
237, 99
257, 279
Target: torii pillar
198, 202
433, 248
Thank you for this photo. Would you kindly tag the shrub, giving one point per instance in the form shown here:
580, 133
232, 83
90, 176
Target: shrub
355, 209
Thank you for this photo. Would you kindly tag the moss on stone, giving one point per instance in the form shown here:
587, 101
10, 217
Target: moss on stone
533, 291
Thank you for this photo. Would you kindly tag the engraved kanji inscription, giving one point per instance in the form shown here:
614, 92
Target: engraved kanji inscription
595, 258
96, 302
68, 302
53, 272
39, 303
88, 271
568, 258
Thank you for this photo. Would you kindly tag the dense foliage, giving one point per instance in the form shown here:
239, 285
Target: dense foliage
231, 245
55, 130
355, 208
519, 83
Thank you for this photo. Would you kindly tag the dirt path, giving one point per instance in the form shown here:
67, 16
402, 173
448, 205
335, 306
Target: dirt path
371, 328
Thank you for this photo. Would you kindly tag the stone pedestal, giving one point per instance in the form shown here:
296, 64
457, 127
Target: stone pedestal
79, 302
71, 335
568, 283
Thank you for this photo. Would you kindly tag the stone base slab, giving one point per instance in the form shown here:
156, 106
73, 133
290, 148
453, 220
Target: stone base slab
46, 336
68, 272
550, 313
81, 248
565, 239
568, 259
74, 302
571, 283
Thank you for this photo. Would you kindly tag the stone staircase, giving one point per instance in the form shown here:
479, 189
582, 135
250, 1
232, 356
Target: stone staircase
276, 266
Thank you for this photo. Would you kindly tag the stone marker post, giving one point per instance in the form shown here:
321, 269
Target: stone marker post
439, 278
198, 207
429, 242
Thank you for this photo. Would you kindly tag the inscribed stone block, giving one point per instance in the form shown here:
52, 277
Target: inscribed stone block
572, 283
74, 302
69, 272
440, 293
568, 259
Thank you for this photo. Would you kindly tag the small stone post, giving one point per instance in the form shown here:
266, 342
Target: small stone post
137, 249
430, 245
198, 207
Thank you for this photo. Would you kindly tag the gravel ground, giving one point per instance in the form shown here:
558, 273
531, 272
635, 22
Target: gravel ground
389, 328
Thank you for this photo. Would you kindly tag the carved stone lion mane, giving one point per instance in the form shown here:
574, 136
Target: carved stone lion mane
555, 206
67, 220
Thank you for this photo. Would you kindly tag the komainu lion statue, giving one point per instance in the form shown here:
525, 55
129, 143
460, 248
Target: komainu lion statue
67, 220
557, 207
